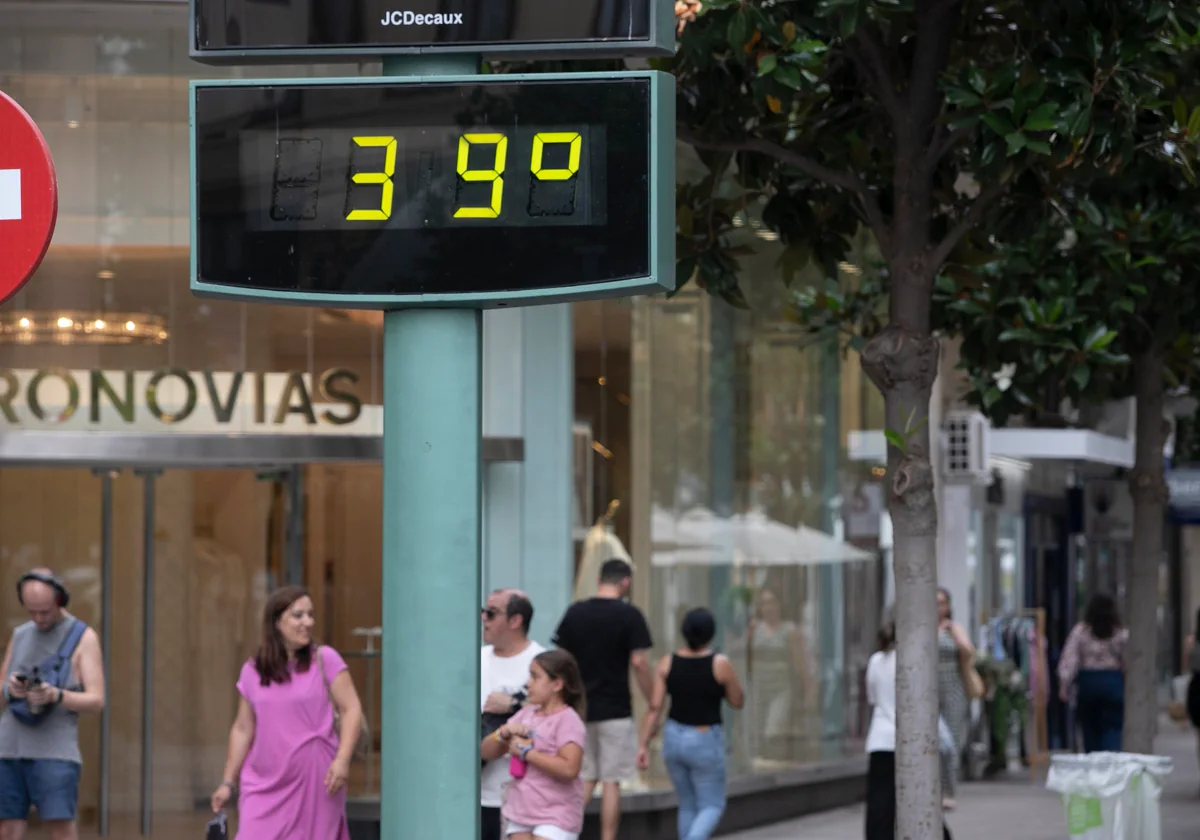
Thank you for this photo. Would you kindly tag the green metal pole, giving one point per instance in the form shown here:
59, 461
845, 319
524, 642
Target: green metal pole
432, 397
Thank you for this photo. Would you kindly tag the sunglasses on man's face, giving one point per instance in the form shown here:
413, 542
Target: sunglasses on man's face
490, 612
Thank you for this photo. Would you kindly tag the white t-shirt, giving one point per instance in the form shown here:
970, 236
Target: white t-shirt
881, 694
508, 674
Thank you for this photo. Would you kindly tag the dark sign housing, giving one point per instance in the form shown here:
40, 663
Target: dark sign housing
282, 31
451, 189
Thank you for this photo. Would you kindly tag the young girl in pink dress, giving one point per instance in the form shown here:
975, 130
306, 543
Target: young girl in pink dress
291, 763
548, 735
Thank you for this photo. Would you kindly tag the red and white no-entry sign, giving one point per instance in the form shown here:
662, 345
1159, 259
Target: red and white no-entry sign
28, 197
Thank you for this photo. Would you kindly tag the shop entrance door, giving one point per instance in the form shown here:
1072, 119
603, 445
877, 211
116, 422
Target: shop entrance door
171, 567
194, 553
1048, 583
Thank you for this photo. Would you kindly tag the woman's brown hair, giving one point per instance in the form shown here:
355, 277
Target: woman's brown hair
561, 665
271, 660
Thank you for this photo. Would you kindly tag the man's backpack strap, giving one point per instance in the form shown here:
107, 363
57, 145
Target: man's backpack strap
67, 649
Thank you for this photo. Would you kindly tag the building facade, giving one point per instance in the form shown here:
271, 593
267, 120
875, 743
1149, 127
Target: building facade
175, 458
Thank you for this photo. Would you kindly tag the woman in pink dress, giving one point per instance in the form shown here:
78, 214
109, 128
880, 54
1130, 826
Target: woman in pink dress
291, 764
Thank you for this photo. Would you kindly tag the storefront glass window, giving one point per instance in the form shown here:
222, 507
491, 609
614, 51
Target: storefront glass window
603, 458
745, 502
107, 337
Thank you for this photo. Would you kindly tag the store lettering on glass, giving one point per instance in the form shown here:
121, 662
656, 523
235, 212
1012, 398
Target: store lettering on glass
174, 396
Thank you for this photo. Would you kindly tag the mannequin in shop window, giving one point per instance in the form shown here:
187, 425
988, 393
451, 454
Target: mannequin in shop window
601, 545
778, 676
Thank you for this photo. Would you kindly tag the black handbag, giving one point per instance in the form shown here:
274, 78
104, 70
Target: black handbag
217, 828
489, 722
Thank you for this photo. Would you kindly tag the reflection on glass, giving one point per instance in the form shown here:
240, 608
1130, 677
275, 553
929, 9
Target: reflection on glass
779, 666
344, 544
757, 513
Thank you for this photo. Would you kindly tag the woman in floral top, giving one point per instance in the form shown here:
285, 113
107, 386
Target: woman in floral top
1093, 660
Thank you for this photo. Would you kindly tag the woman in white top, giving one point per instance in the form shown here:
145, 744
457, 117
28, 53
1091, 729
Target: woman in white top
881, 740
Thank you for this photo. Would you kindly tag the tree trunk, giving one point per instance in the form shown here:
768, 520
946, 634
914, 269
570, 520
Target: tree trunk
902, 362
1149, 490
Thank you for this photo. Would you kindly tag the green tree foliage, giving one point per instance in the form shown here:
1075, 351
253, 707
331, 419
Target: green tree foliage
937, 124
843, 112
1060, 313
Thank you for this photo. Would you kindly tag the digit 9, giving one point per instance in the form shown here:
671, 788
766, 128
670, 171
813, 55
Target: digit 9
496, 174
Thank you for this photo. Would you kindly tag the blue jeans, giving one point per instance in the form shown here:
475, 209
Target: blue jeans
1100, 708
49, 784
695, 758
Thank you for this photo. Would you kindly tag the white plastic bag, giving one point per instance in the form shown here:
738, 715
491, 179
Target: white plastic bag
946, 743
1110, 796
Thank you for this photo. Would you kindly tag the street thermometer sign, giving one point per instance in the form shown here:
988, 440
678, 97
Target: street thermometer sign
434, 191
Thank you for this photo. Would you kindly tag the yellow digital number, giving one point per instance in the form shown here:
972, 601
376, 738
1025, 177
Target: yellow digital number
384, 178
495, 174
548, 138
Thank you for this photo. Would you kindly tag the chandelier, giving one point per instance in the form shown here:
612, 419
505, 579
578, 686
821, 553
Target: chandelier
75, 327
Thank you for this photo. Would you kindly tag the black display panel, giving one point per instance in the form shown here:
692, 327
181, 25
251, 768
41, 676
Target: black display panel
495, 186
348, 24
425, 177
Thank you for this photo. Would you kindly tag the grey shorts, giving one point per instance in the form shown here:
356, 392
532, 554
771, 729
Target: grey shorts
611, 754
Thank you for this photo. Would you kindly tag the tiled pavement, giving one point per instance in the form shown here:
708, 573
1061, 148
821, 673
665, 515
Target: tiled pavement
1016, 807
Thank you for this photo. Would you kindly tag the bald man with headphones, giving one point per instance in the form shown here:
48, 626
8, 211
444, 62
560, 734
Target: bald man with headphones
53, 672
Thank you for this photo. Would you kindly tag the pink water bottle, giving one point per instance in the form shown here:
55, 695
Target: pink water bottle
518, 765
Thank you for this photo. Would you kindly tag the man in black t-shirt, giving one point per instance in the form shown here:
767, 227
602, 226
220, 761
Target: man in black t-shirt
608, 636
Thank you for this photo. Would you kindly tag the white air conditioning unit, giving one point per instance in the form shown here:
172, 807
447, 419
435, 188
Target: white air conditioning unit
966, 455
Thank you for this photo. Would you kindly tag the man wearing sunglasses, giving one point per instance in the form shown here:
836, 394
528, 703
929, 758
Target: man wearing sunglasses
503, 672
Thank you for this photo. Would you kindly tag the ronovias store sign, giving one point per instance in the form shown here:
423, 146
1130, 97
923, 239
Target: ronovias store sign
175, 400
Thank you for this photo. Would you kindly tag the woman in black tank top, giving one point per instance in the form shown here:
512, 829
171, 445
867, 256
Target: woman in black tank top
697, 680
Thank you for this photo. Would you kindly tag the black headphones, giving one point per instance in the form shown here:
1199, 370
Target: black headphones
64, 595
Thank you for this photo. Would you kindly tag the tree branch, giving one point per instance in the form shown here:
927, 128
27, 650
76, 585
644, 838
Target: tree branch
948, 142
973, 217
935, 31
875, 220
868, 58
833, 177
913, 175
